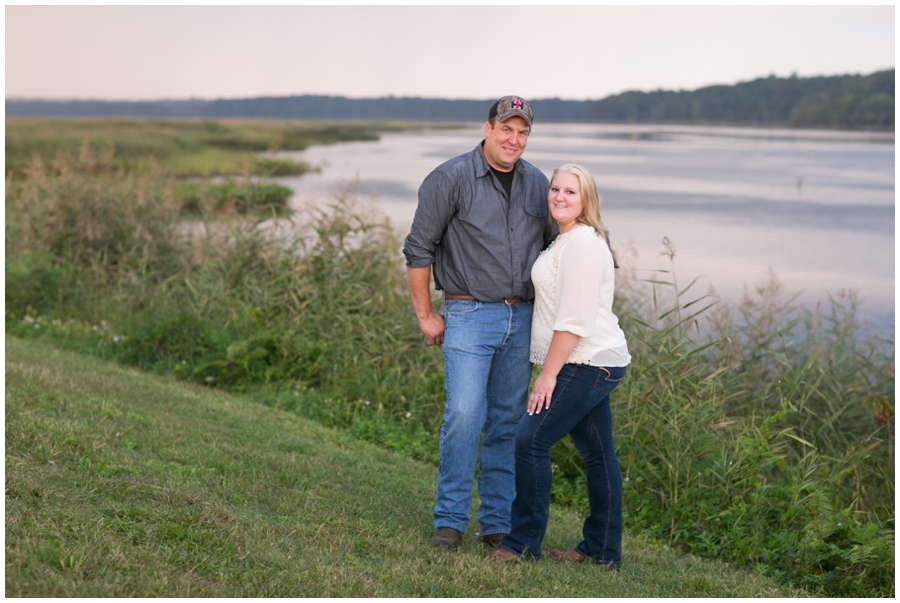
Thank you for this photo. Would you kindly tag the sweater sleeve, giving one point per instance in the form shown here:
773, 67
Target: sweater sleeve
581, 271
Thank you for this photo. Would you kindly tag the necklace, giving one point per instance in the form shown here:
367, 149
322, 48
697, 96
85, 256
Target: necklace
554, 241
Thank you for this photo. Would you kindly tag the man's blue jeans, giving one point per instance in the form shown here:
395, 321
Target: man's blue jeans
579, 406
487, 372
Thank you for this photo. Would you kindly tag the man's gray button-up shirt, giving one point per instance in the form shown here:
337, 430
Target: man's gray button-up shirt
480, 242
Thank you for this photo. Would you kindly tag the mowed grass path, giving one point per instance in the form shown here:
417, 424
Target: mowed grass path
121, 483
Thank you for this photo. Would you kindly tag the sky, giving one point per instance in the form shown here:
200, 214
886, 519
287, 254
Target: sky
474, 52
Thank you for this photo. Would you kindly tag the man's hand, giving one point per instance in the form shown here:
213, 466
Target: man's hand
431, 324
433, 329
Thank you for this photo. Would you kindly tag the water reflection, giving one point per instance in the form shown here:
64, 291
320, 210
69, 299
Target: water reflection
815, 207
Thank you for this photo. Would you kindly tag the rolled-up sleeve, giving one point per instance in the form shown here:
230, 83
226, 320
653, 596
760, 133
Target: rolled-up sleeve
578, 285
437, 204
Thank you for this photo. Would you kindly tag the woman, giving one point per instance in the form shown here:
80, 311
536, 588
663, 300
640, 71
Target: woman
576, 339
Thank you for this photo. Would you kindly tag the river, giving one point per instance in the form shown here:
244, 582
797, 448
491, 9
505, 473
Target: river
816, 208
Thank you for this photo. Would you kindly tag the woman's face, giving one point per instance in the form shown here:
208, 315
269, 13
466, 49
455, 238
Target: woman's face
564, 200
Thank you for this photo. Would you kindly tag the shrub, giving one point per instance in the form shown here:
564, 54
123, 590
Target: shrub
240, 197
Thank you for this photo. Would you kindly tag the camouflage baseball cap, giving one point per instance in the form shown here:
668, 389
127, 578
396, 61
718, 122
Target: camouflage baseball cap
512, 106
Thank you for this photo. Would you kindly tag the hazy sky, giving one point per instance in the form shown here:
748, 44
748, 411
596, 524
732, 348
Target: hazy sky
573, 52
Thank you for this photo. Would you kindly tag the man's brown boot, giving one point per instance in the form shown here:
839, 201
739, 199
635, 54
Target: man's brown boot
446, 538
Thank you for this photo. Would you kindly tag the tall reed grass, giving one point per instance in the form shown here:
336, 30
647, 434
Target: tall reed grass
760, 433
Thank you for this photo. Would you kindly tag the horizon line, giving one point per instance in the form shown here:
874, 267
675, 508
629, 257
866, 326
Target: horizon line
412, 97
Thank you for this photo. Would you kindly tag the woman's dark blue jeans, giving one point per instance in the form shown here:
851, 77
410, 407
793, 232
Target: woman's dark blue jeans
579, 407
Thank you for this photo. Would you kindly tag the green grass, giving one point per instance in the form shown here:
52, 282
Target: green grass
120, 483
183, 147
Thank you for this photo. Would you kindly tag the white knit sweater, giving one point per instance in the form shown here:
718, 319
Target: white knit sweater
574, 282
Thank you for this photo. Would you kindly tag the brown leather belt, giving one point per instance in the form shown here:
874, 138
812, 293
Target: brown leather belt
514, 300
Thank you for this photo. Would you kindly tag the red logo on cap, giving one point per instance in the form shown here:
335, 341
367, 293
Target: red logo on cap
518, 103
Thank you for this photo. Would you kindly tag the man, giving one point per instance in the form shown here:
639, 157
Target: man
480, 222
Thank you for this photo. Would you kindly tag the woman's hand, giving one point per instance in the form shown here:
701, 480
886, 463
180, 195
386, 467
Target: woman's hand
561, 346
540, 395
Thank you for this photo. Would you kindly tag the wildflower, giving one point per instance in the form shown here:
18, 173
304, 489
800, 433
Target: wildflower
408, 415
627, 479
184, 362
28, 318
116, 338
95, 327
37, 326
367, 402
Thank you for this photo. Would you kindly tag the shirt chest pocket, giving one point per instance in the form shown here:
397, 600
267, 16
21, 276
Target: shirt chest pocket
478, 202
536, 210
536, 203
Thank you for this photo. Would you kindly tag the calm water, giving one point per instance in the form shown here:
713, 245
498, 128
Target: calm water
817, 208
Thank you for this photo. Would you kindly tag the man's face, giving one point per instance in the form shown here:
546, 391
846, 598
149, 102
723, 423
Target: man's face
505, 142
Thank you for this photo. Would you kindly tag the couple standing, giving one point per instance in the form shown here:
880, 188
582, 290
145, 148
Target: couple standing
482, 223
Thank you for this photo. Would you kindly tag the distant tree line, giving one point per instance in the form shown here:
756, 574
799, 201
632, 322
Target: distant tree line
100, 108
844, 101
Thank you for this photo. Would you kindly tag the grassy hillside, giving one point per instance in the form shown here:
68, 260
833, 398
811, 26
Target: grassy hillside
120, 483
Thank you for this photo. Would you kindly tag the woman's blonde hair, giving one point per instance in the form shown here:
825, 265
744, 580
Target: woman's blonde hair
590, 200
